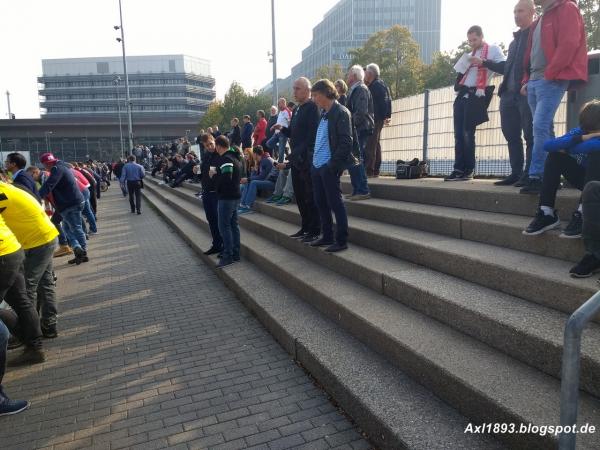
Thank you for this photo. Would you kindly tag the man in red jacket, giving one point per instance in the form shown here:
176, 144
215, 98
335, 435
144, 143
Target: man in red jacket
556, 57
260, 130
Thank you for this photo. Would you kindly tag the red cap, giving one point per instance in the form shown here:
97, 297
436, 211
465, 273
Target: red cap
47, 158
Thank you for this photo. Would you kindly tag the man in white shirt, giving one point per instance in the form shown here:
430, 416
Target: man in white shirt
472, 100
279, 140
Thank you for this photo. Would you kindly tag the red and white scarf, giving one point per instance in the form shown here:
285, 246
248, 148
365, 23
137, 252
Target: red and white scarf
482, 72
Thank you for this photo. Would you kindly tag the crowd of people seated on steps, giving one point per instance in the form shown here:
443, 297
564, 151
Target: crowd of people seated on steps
40, 207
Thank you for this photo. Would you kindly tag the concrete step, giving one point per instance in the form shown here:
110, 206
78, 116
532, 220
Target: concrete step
503, 230
527, 331
395, 411
479, 195
476, 379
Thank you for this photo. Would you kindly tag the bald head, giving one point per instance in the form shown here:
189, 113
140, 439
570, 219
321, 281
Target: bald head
302, 89
524, 12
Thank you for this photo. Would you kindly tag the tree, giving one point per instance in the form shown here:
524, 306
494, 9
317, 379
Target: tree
212, 116
397, 54
331, 72
440, 73
590, 10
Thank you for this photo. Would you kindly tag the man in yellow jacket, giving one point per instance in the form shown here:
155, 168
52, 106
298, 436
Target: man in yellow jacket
37, 234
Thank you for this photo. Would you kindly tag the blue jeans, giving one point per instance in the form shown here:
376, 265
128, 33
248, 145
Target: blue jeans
358, 173
88, 213
544, 98
249, 194
328, 198
279, 140
229, 228
4, 334
72, 226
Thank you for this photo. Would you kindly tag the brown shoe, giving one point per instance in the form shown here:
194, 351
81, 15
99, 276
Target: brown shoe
63, 250
29, 356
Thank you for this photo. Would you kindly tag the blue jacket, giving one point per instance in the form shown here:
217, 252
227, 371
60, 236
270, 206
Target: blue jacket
572, 142
25, 179
132, 172
63, 187
247, 135
266, 170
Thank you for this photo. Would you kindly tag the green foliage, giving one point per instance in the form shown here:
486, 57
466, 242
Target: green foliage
397, 54
590, 9
331, 72
237, 103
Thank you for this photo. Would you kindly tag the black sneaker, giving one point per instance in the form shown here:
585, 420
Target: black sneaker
455, 176
321, 243
213, 251
49, 330
573, 230
9, 407
225, 262
309, 238
509, 180
29, 356
542, 223
585, 268
533, 187
523, 181
336, 248
13, 343
298, 234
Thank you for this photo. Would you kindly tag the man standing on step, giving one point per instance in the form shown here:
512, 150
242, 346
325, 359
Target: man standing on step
132, 175
37, 235
515, 113
68, 201
360, 104
556, 57
302, 133
227, 185
209, 192
473, 97
334, 148
382, 105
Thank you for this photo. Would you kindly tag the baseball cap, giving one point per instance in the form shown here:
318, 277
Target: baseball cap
46, 158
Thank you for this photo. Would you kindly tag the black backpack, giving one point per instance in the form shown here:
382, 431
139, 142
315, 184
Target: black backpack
411, 170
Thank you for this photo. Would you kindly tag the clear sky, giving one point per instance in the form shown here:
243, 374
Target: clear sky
234, 34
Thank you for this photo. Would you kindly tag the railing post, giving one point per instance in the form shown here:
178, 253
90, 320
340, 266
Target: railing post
425, 124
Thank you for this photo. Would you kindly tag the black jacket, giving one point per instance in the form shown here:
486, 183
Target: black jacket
342, 142
272, 121
360, 105
208, 183
228, 176
302, 133
235, 137
247, 135
514, 62
382, 100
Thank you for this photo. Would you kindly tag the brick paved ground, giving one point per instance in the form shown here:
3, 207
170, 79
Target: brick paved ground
155, 352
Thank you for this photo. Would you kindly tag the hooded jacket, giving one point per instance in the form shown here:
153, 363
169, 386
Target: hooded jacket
61, 183
564, 43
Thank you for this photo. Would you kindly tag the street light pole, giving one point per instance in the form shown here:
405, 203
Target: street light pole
47, 134
274, 55
122, 41
8, 102
117, 81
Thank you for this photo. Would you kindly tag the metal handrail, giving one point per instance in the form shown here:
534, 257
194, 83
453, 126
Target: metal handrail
571, 362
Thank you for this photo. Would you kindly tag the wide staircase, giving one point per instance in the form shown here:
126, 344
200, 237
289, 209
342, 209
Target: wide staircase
440, 314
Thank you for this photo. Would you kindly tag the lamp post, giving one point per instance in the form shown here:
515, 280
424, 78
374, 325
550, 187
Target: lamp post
128, 98
117, 80
47, 134
274, 54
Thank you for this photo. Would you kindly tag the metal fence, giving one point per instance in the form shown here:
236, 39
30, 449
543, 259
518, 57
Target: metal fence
411, 116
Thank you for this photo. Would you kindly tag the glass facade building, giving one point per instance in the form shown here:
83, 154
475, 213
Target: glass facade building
350, 23
162, 85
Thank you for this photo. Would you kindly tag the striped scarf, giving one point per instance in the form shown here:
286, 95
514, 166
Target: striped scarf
481, 72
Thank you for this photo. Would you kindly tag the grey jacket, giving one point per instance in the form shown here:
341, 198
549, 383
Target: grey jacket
360, 105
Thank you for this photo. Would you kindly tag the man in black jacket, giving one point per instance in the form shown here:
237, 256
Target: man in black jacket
360, 104
186, 172
209, 192
515, 114
227, 185
334, 152
301, 133
235, 135
382, 107
15, 162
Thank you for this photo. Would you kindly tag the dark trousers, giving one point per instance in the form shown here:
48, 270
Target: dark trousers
373, 153
561, 164
464, 138
591, 218
93, 198
516, 118
39, 281
14, 292
135, 190
303, 190
210, 202
328, 199
4, 335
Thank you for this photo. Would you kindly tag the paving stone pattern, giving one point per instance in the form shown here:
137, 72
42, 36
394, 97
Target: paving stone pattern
155, 352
